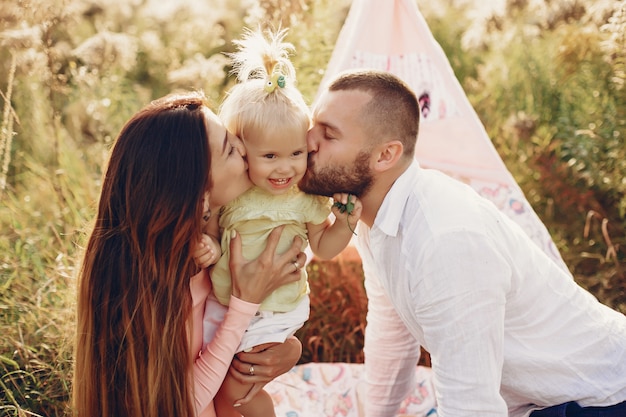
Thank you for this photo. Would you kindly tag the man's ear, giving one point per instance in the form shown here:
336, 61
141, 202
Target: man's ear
388, 154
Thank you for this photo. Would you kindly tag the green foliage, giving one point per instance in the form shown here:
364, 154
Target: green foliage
548, 80
36, 313
549, 87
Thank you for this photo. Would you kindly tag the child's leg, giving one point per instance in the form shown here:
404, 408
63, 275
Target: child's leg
232, 390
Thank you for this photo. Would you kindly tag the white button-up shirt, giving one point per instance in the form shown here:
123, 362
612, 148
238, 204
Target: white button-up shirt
508, 330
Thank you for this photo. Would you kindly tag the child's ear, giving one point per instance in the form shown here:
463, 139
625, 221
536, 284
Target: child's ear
387, 155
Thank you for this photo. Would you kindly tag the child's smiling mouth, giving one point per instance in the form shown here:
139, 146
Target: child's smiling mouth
279, 182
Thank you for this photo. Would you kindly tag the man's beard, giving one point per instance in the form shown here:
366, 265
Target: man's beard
356, 179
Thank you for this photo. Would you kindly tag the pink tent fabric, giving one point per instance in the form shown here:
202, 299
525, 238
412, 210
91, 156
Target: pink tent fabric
392, 35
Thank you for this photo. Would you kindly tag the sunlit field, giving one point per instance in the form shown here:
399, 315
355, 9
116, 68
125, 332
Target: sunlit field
547, 79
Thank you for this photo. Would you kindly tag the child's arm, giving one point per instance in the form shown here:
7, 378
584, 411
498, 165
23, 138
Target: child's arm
208, 250
328, 240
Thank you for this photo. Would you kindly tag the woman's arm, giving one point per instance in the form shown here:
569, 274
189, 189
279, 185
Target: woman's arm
252, 282
212, 363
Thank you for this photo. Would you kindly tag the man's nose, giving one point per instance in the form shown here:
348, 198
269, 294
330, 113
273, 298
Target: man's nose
241, 149
311, 142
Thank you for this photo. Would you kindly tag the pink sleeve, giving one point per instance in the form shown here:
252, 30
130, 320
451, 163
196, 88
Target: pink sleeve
211, 365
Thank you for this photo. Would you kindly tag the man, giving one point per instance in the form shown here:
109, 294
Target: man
508, 330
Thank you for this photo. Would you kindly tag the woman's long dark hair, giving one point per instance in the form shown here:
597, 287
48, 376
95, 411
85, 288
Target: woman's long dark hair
132, 345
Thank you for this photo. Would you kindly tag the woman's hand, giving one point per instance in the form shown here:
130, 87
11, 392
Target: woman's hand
253, 281
264, 363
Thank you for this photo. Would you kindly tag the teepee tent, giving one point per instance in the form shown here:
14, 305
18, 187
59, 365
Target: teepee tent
392, 35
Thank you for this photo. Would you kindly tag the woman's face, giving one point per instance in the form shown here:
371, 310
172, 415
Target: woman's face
228, 169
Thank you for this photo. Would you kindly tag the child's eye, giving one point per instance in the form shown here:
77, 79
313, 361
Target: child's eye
269, 156
297, 153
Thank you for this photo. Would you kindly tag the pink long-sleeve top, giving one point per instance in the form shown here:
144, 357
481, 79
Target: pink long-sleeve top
211, 364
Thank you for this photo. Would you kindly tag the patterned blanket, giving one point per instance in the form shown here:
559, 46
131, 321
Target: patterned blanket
337, 389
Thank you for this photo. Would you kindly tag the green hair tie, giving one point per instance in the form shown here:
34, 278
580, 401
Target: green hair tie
275, 80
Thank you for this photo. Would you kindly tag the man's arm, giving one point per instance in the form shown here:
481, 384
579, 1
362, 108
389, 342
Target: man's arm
391, 354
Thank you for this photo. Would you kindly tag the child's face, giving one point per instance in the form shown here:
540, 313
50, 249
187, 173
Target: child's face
276, 162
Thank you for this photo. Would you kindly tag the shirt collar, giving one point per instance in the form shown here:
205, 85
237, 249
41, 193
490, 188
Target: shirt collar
390, 212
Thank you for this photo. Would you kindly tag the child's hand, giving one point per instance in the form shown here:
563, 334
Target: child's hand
347, 207
207, 251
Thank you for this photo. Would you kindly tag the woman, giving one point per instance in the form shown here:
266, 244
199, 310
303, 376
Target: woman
140, 294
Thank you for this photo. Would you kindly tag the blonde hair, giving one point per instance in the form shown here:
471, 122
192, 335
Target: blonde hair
265, 97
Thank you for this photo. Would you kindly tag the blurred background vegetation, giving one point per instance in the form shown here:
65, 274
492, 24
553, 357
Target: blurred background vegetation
547, 78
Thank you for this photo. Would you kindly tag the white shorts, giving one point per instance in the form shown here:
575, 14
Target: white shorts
265, 326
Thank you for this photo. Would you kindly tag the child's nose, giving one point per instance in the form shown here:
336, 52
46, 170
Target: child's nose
285, 167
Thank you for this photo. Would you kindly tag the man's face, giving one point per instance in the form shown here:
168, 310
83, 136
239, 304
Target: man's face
339, 154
